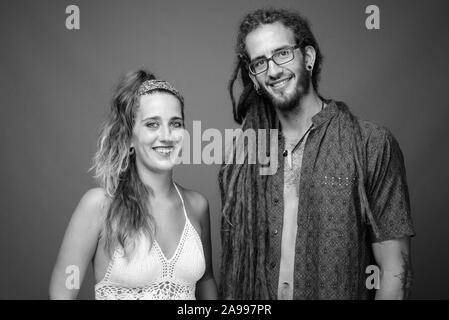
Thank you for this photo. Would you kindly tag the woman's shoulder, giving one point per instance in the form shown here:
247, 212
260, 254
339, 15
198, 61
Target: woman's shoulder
196, 201
93, 205
95, 198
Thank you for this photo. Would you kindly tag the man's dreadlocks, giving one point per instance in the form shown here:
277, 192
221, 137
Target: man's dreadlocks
244, 230
244, 224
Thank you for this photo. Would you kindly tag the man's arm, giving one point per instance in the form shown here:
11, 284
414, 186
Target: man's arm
393, 259
390, 204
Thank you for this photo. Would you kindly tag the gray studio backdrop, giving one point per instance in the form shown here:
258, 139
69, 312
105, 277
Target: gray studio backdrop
56, 85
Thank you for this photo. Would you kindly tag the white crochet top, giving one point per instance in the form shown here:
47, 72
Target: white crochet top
149, 275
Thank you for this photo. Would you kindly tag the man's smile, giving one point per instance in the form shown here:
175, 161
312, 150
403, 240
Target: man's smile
280, 83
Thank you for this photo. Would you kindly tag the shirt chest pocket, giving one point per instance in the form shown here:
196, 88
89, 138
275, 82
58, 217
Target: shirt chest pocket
335, 196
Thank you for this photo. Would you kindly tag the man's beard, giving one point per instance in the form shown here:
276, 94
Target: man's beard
290, 103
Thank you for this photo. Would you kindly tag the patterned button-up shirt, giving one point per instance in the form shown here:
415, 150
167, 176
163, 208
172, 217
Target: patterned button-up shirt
333, 244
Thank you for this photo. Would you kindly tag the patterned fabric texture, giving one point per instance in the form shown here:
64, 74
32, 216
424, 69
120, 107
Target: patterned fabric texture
333, 242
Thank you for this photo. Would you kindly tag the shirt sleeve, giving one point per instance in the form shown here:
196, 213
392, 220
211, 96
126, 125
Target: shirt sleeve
387, 188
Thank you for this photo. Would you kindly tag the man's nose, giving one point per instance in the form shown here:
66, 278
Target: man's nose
273, 69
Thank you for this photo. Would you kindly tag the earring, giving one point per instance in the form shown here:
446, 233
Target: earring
309, 67
257, 88
131, 151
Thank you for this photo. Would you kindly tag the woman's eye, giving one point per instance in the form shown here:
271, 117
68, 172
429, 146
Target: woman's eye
152, 125
177, 124
283, 53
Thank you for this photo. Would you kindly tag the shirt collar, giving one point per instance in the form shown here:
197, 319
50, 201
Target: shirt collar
326, 114
321, 117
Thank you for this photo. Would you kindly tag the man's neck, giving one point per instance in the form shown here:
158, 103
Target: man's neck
295, 122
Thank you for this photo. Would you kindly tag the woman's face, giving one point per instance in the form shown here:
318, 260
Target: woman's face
157, 132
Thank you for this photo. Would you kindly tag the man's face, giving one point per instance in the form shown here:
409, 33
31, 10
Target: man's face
284, 85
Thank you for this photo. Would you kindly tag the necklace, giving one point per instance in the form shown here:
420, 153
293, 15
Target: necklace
288, 154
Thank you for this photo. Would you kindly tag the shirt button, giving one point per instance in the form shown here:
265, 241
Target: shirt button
276, 200
275, 232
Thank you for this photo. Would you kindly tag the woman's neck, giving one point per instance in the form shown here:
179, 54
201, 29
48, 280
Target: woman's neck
161, 183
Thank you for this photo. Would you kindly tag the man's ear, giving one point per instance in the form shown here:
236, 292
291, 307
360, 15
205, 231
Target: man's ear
310, 56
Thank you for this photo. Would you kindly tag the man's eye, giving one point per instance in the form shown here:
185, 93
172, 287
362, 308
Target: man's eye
283, 53
259, 63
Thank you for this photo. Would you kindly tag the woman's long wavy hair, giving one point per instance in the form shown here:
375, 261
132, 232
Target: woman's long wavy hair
128, 213
243, 189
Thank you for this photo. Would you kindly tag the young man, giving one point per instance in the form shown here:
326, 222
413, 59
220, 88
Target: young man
338, 202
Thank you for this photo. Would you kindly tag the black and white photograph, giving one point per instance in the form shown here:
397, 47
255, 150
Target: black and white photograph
224, 150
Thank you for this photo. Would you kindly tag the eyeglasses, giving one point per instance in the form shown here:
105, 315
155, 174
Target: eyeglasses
281, 56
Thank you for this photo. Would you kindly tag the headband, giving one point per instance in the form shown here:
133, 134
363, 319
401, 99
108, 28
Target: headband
151, 85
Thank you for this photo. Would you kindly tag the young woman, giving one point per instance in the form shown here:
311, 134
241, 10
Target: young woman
147, 237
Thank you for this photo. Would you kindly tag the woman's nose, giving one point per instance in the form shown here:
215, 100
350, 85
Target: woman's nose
165, 133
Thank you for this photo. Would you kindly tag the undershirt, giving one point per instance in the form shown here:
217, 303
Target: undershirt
292, 175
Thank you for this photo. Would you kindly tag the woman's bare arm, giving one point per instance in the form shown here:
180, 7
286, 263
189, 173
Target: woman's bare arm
79, 246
